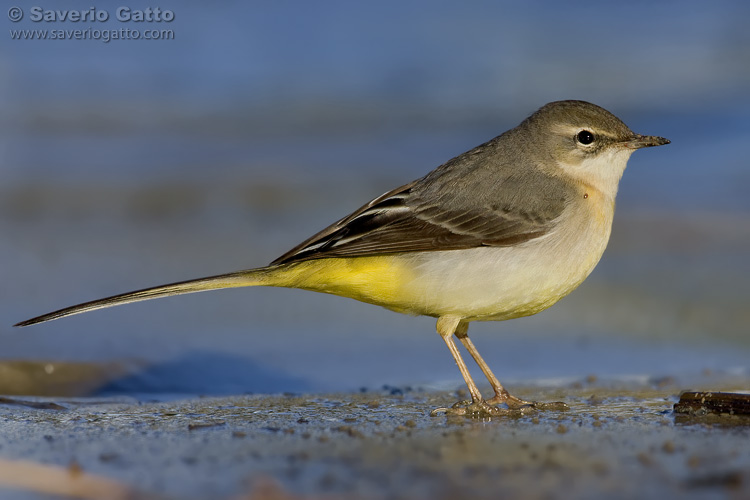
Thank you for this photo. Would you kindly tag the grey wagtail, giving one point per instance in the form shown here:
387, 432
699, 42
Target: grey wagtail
502, 231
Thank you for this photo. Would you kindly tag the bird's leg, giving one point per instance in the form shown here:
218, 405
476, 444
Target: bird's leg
501, 393
446, 327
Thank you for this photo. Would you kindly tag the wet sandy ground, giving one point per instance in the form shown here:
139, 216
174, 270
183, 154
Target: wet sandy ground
619, 440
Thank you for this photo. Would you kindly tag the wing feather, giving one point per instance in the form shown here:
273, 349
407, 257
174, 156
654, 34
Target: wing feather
463, 204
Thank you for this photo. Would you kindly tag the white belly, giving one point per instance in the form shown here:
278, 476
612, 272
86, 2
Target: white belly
490, 283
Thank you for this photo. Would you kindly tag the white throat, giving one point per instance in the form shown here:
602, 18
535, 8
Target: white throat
603, 172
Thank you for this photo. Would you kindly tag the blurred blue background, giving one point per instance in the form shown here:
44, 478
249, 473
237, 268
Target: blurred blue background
138, 162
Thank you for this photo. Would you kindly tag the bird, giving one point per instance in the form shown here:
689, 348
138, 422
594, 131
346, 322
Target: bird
502, 231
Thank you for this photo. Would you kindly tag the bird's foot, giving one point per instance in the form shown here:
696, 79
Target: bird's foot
514, 407
509, 400
482, 409
513, 402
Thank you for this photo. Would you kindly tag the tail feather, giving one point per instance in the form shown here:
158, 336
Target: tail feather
252, 277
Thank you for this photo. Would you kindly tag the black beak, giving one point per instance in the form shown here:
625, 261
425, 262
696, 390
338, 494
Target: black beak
639, 141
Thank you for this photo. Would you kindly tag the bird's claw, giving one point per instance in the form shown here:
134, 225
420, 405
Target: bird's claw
515, 407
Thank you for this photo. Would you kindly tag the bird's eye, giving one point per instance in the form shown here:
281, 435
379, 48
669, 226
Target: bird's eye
585, 137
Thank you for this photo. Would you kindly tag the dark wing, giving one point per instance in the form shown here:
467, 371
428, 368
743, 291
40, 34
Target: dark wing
328, 236
454, 207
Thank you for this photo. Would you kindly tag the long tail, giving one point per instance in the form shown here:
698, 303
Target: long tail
251, 277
